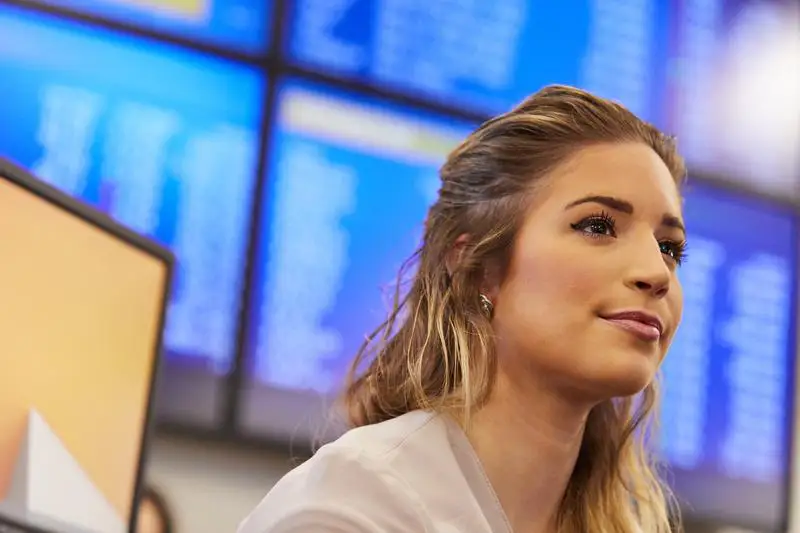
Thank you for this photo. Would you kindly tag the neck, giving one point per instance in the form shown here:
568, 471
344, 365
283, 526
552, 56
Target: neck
528, 442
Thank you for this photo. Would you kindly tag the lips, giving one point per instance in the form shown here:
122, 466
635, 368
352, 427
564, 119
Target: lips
641, 324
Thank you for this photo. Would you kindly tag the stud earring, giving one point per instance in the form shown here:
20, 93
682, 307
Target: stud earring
487, 305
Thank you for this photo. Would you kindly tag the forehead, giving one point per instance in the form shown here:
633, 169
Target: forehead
632, 172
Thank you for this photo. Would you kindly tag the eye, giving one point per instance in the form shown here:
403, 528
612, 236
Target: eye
599, 225
675, 250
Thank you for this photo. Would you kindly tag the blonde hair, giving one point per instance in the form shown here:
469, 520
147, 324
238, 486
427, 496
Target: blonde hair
435, 351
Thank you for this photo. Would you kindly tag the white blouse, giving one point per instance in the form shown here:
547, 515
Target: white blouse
416, 473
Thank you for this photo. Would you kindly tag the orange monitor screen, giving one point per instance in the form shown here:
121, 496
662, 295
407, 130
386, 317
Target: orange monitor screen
80, 313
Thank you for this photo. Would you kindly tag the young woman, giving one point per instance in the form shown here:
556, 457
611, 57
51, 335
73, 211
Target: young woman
502, 393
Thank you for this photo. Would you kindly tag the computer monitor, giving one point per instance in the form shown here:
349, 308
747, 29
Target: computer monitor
82, 303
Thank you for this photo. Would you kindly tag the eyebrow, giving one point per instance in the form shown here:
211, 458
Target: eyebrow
623, 206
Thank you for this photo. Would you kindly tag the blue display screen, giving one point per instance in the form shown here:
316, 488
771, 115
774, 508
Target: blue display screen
732, 117
489, 55
728, 377
165, 141
351, 182
241, 25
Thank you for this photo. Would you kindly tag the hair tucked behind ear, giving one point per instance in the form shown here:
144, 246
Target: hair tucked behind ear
435, 351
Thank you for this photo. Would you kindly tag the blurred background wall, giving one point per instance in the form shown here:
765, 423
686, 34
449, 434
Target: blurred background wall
212, 487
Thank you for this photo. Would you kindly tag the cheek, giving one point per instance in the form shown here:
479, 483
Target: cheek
553, 290
675, 305
676, 301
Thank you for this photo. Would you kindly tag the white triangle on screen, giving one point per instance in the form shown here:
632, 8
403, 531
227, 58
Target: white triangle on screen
49, 483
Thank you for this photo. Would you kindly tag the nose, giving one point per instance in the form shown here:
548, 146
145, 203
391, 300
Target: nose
649, 273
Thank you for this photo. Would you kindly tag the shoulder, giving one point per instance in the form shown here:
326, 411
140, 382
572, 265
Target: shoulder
355, 484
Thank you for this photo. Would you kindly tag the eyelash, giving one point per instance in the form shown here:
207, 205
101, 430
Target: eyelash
675, 250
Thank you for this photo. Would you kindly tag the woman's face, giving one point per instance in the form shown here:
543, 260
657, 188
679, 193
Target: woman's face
591, 298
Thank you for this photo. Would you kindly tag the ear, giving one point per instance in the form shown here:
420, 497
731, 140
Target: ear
453, 257
490, 282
